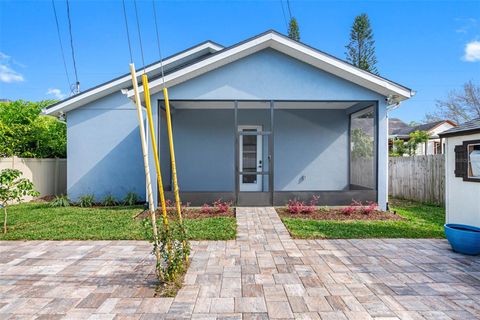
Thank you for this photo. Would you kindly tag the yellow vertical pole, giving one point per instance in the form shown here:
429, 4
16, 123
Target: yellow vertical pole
146, 92
151, 206
174, 167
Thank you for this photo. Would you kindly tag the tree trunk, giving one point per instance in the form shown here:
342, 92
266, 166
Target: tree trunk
5, 219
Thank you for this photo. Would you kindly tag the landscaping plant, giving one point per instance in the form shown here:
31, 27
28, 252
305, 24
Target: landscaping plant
109, 201
358, 206
87, 201
297, 206
173, 263
13, 188
131, 199
60, 201
222, 206
207, 209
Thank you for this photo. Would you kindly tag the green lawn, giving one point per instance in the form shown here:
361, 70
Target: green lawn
39, 221
421, 221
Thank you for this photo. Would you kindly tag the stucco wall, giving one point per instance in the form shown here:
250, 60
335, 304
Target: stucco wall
104, 152
462, 205
311, 150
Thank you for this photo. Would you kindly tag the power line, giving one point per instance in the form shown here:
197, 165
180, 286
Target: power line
158, 41
289, 11
61, 45
77, 83
128, 33
139, 34
284, 15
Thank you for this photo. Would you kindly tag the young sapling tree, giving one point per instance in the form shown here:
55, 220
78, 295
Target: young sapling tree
13, 188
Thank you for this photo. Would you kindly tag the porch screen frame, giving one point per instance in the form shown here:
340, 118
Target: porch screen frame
277, 197
376, 120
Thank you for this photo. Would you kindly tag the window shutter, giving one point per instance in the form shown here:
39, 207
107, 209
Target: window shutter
461, 161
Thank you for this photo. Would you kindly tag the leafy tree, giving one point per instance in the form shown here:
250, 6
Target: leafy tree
401, 147
361, 49
459, 106
362, 144
13, 188
24, 132
293, 29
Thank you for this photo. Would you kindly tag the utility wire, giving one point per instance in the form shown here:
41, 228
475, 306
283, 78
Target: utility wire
289, 11
139, 34
77, 83
61, 44
128, 33
284, 15
158, 41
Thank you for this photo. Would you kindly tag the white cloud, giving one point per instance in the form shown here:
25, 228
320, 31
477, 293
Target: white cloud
7, 74
57, 93
472, 51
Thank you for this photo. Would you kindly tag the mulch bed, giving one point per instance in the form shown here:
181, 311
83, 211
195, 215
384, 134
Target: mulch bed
337, 214
189, 213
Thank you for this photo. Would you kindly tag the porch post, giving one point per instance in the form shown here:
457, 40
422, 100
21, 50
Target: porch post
382, 154
236, 168
271, 173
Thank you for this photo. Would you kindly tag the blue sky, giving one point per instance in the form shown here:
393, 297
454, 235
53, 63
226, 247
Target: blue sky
420, 44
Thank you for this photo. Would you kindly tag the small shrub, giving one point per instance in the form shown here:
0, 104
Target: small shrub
87, 201
349, 210
358, 206
370, 207
60, 201
109, 201
131, 199
206, 209
222, 206
295, 206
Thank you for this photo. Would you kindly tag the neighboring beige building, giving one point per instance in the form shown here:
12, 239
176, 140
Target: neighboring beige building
434, 144
462, 173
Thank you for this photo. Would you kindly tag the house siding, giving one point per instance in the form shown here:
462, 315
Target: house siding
104, 152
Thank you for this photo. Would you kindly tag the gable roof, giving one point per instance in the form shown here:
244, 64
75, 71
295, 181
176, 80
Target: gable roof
469, 127
295, 49
219, 56
172, 62
405, 132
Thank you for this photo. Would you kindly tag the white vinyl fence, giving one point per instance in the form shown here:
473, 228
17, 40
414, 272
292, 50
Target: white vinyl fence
419, 178
48, 175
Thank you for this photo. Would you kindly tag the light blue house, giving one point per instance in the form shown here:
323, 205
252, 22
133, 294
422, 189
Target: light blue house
266, 120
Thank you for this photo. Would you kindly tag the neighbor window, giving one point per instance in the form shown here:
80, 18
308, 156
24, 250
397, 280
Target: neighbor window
473, 151
467, 161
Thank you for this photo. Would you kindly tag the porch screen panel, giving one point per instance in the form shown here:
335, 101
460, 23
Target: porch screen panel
363, 173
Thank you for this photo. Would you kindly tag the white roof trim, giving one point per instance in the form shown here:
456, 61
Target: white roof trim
292, 48
122, 82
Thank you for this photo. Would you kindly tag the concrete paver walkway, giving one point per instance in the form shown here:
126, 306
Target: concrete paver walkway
264, 274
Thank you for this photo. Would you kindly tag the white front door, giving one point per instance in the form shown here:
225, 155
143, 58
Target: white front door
251, 159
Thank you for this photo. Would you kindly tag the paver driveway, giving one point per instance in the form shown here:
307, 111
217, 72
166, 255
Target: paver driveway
263, 274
